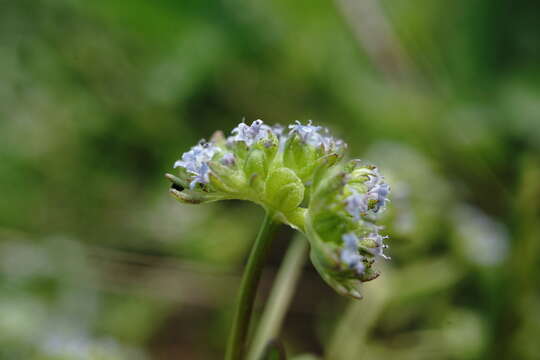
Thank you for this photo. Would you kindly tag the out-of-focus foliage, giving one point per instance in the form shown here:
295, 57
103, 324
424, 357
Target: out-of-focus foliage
99, 98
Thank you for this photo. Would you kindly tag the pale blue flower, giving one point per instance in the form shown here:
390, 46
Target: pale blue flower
201, 177
356, 204
380, 246
195, 161
309, 133
316, 136
279, 131
350, 255
379, 193
377, 189
250, 134
228, 159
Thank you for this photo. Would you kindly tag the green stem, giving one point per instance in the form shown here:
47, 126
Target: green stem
280, 296
248, 289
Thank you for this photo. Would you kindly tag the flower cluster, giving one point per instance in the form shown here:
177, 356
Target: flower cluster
195, 162
268, 165
374, 197
316, 136
296, 174
342, 225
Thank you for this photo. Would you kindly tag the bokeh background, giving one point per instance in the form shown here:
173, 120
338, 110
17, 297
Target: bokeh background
99, 98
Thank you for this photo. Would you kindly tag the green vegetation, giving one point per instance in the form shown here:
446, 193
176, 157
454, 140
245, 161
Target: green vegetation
98, 99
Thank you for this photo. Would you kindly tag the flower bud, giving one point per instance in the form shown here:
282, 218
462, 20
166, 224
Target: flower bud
255, 168
306, 145
284, 190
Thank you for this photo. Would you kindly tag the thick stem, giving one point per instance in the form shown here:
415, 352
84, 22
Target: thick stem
248, 290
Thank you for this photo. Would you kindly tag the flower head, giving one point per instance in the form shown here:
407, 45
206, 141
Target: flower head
308, 146
195, 162
342, 226
298, 177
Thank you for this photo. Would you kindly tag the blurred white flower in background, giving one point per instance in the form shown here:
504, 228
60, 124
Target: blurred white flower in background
482, 240
59, 345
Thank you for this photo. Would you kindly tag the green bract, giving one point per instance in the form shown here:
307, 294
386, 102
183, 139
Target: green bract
297, 176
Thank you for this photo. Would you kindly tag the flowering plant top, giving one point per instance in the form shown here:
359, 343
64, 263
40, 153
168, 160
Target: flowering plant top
296, 174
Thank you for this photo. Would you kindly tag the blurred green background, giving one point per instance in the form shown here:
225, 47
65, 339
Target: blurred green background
99, 98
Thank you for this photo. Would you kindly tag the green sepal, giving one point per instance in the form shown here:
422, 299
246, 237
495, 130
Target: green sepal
256, 168
300, 157
182, 183
326, 187
217, 184
184, 178
358, 174
325, 259
239, 149
270, 147
193, 197
231, 178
